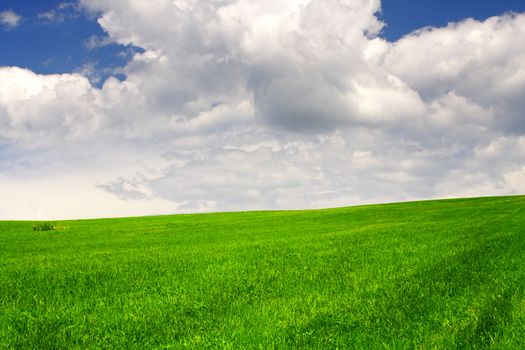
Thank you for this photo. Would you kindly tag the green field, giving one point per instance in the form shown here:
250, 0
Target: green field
428, 275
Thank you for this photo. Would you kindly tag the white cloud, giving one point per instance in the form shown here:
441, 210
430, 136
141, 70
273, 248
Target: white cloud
43, 109
70, 197
275, 104
481, 62
60, 13
94, 42
9, 19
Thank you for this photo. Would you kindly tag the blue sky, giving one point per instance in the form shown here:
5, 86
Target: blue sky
58, 45
247, 105
404, 16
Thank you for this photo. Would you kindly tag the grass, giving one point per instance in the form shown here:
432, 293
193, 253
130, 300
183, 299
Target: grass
446, 274
45, 226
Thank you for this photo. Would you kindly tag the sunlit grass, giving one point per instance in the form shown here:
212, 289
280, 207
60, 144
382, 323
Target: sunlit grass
437, 274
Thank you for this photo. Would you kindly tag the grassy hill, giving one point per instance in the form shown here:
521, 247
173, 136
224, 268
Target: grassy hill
435, 274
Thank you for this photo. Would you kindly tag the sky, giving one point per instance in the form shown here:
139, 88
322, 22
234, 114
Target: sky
125, 107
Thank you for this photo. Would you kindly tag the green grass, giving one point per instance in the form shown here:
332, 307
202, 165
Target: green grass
428, 275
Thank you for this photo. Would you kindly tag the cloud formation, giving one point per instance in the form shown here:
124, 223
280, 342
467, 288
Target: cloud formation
60, 13
9, 19
237, 105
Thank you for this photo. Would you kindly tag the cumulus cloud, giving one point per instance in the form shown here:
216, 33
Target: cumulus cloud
274, 104
42, 109
480, 62
9, 19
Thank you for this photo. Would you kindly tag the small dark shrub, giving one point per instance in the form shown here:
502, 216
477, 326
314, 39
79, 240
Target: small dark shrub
46, 226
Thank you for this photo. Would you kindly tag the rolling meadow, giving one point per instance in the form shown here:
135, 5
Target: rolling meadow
443, 274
